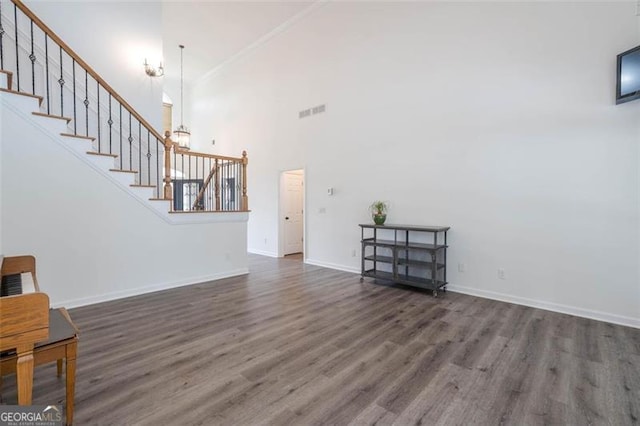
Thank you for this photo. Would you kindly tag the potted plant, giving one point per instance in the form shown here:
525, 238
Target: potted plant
379, 212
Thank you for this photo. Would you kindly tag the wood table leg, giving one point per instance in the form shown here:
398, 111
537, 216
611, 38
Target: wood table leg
59, 369
71, 350
24, 374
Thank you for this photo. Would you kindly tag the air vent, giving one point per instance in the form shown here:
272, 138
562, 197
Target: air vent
312, 111
304, 113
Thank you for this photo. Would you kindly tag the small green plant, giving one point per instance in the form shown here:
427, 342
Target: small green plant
378, 207
379, 212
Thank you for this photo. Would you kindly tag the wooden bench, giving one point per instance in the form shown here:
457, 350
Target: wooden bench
62, 344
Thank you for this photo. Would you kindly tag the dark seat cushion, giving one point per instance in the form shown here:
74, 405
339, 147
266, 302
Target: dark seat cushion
59, 328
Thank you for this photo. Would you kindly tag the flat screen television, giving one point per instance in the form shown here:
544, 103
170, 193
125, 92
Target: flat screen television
628, 85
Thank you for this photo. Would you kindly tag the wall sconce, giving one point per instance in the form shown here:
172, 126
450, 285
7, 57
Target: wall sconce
153, 72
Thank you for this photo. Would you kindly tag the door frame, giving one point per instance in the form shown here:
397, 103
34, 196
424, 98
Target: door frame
281, 208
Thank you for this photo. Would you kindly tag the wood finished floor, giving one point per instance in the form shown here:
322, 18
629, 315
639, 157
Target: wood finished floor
293, 344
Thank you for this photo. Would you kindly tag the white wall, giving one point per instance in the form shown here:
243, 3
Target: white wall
497, 119
92, 240
114, 38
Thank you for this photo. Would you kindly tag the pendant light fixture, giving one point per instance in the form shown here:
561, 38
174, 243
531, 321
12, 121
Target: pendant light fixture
182, 135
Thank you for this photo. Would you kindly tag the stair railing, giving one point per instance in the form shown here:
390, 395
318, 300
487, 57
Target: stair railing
43, 65
197, 181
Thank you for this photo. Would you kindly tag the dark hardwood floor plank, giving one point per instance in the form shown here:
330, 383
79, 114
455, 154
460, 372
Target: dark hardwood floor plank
472, 350
622, 376
483, 384
420, 372
523, 365
632, 337
374, 415
429, 406
587, 340
418, 323
516, 320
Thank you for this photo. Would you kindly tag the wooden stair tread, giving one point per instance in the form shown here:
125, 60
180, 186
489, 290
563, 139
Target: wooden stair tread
142, 186
44, 114
159, 199
122, 171
103, 154
39, 98
71, 135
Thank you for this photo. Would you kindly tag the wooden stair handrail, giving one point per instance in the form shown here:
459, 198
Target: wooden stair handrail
206, 155
53, 36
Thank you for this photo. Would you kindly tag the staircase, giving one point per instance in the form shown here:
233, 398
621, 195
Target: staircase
64, 95
88, 187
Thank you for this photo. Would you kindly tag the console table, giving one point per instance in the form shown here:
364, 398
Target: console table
406, 254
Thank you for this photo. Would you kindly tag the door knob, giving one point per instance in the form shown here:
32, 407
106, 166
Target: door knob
286, 218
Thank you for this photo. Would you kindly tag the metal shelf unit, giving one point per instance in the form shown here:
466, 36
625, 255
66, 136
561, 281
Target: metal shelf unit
392, 253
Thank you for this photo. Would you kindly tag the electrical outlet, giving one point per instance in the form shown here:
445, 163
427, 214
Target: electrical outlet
265, 241
227, 256
501, 274
462, 267
353, 253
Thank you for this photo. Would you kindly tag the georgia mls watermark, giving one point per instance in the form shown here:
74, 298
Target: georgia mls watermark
30, 415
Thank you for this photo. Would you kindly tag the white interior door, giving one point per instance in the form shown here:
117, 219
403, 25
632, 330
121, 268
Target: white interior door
293, 212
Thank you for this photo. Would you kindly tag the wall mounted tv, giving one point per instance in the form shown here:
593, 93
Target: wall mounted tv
628, 85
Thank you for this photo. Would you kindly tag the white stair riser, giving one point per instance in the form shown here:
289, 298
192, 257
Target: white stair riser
161, 207
56, 126
143, 193
24, 103
80, 146
4, 81
105, 163
124, 179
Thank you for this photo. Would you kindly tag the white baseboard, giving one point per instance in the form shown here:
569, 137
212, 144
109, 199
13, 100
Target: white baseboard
74, 303
262, 252
333, 266
548, 306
